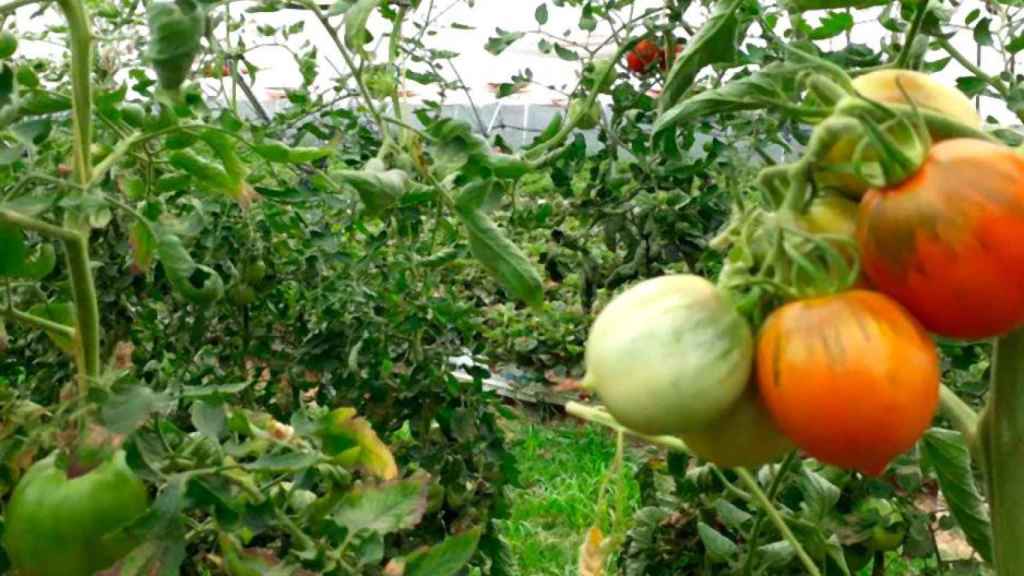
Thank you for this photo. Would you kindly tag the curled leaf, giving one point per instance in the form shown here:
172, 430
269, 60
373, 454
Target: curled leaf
197, 283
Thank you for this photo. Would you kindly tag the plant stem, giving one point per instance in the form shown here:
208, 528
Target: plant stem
1001, 439
598, 416
963, 417
755, 532
908, 43
356, 75
76, 246
773, 514
81, 88
37, 322
87, 311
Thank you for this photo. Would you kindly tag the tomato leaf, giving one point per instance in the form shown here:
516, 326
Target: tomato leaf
386, 508
715, 43
718, 546
948, 455
347, 436
61, 313
197, 283
356, 18
771, 85
446, 558
275, 151
502, 258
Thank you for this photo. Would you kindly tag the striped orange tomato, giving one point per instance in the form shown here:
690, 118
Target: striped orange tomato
852, 379
948, 243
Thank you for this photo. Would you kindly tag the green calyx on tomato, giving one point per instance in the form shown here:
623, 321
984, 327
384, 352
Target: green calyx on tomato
61, 526
890, 87
584, 117
671, 355
381, 81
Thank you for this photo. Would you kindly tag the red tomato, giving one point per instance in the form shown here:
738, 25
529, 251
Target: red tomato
852, 379
643, 56
947, 243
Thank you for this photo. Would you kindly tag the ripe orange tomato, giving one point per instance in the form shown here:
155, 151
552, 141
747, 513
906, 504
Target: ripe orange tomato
946, 243
852, 378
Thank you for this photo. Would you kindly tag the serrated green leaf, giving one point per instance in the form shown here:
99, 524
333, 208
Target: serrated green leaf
716, 42
446, 558
386, 508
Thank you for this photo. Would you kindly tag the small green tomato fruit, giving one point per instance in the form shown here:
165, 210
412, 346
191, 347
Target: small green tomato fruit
671, 355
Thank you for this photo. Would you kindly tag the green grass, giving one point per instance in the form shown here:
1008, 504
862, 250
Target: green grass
562, 464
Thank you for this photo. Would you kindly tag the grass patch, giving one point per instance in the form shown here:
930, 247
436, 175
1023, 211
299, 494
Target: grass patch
562, 464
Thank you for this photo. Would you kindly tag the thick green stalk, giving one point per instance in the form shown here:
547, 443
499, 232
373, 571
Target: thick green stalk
1002, 445
81, 66
83, 288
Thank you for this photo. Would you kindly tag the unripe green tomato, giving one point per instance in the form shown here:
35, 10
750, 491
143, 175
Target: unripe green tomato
596, 70
585, 118
670, 355
889, 530
100, 151
241, 294
745, 436
8, 44
133, 115
60, 526
255, 272
300, 499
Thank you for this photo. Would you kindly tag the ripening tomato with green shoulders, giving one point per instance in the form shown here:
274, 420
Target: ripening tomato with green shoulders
851, 378
57, 525
892, 87
947, 242
670, 355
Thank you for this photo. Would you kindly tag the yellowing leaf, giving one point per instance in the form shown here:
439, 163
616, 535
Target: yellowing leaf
352, 441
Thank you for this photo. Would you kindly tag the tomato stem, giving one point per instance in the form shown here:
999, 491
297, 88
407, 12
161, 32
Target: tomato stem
776, 517
963, 417
1001, 438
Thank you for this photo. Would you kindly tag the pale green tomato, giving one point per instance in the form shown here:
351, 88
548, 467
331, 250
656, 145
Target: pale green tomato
670, 355
745, 436
586, 118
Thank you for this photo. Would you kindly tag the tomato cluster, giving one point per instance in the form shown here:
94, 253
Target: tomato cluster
850, 377
643, 57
